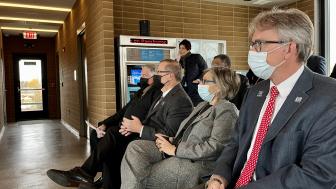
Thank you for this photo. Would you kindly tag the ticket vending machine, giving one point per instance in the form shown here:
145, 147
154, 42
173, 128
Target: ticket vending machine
132, 53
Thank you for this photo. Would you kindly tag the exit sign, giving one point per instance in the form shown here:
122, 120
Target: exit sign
29, 35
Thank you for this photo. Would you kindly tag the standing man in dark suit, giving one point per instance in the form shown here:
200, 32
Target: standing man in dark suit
193, 66
286, 133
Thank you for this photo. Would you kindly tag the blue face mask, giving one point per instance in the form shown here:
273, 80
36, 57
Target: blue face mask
258, 64
203, 91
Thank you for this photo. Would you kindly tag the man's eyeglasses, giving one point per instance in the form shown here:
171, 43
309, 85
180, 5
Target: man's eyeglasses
207, 82
256, 45
163, 71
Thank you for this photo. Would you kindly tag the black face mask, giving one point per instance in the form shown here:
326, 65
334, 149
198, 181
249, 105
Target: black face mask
143, 83
157, 81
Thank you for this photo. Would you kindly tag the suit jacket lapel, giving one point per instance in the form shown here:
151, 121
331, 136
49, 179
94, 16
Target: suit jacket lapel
186, 121
203, 116
293, 102
253, 114
154, 108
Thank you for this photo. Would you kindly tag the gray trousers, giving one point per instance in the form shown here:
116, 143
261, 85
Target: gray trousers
143, 168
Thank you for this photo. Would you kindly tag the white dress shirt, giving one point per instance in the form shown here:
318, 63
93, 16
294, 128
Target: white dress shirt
284, 89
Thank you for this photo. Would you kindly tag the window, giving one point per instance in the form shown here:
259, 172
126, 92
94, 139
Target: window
330, 36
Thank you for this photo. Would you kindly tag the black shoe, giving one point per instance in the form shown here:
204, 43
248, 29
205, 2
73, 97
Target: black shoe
71, 178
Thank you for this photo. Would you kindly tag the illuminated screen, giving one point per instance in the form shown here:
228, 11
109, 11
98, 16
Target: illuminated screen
135, 76
151, 54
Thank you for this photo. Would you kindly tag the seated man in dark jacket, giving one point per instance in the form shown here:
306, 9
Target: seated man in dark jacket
150, 90
139, 105
165, 115
252, 78
223, 60
168, 111
193, 66
317, 64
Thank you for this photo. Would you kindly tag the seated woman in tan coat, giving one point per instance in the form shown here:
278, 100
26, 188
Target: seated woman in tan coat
178, 163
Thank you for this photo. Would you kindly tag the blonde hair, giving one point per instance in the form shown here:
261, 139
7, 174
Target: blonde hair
291, 25
227, 81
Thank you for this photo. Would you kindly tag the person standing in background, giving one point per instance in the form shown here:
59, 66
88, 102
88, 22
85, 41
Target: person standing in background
193, 66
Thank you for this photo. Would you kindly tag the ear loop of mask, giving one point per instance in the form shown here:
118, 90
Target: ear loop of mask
165, 75
282, 62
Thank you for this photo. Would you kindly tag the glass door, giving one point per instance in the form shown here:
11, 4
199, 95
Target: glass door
30, 90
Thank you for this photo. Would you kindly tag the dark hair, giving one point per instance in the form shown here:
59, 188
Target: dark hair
225, 59
186, 44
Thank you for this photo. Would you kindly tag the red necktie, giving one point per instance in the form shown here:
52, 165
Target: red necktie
248, 170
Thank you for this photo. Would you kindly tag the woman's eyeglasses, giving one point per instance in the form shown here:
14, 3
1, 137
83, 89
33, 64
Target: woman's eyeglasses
207, 82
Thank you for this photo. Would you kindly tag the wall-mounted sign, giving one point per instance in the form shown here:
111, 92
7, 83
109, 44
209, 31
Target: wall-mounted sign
29, 35
148, 41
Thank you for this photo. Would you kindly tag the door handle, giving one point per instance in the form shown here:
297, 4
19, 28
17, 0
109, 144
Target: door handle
19, 89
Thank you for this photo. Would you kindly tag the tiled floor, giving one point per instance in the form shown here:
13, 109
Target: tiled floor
28, 149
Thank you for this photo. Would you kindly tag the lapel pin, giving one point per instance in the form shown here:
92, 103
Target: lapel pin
298, 99
260, 93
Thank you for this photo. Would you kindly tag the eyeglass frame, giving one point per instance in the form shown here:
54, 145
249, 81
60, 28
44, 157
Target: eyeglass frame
257, 44
163, 71
207, 82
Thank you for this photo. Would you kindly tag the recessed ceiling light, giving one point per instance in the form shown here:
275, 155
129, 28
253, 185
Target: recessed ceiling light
31, 20
29, 29
262, 2
34, 7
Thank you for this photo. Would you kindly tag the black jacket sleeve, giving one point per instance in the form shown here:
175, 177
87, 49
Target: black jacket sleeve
202, 65
116, 118
176, 113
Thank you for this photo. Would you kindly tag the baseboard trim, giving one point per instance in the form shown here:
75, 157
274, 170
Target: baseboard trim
2, 132
70, 128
